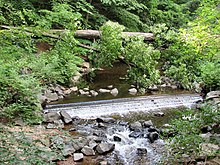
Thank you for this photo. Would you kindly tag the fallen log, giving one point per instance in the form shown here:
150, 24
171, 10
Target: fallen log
95, 34
92, 34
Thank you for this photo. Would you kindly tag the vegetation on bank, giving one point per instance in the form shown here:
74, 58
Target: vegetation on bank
191, 132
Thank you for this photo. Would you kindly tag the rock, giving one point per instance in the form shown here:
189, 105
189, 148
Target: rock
104, 90
206, 129
135, 134
105, 120
153, 88
79, 144
72, 129
96, 139
114, 92
82, 92
159, 114
153, 129
57, 142
163, 86
208, 148
103, 163
135, 126
174, 86
110, 86
212, 94
43, 100
57, 124
68, 149
86, 89
74, 89
141, 151
206, 136
51, 96
65, 117
99, 133
88, 151
51, 117
58, 90
19, 122
152, 136
116, 138
147, 124
103, 148
101, 125
132, 91
77, 157
92, 144
123, 123
94, 93
67, 92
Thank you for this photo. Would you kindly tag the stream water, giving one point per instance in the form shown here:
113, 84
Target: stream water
126, 108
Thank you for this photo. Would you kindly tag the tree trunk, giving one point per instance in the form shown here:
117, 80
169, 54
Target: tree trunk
94, 34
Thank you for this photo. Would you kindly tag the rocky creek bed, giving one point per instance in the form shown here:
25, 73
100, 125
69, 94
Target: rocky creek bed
127, 138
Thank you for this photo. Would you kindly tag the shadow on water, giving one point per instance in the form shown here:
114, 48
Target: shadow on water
112, 76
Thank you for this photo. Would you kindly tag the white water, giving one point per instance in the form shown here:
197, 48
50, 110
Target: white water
126, 150
122, 106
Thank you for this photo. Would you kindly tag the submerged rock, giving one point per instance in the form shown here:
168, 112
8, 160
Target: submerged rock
141, 151
103, 148
152, 136
116, 138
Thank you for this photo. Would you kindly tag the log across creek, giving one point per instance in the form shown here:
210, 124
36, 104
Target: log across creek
146, 104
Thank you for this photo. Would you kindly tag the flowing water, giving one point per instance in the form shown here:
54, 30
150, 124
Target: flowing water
124, 107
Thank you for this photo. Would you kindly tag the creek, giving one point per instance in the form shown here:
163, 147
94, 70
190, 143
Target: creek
125, 108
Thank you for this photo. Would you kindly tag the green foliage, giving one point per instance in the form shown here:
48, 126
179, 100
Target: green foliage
61, 16
143, 57
210, 75
18, 148
194, 45
188, 127
110, 44
139, 56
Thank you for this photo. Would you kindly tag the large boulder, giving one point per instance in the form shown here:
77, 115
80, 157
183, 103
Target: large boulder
103, 148
68, 149
65, 117
57, 124
212, 94
51, 117
88, 151
105, 120
136, 126
147, 124
51, 96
